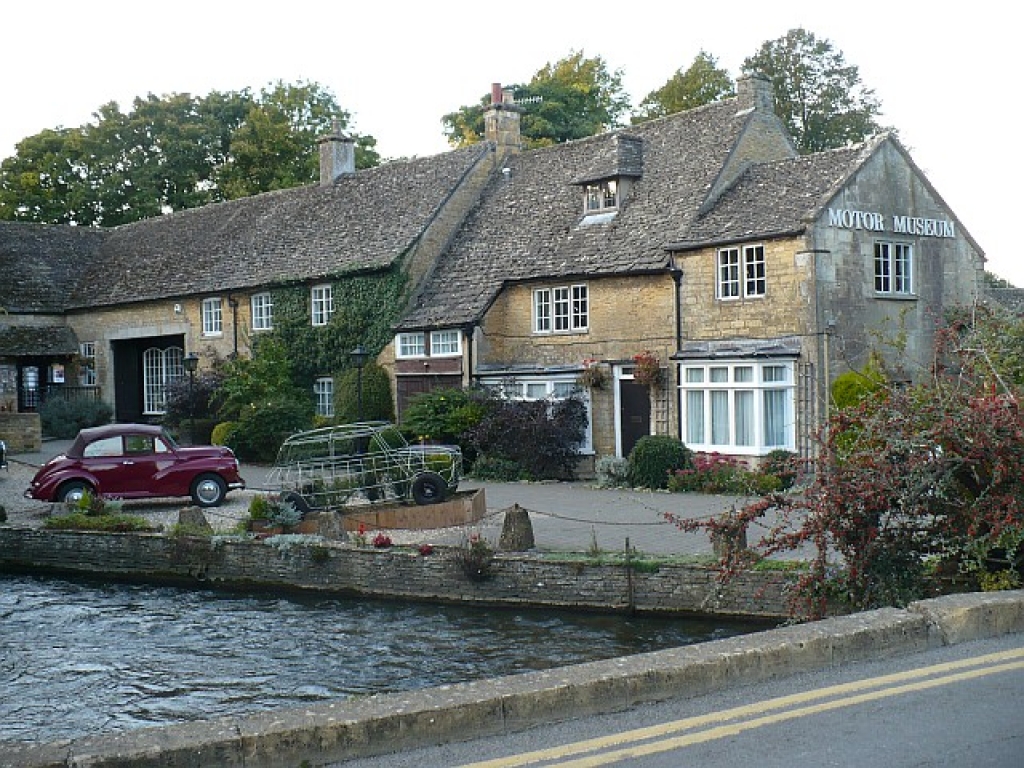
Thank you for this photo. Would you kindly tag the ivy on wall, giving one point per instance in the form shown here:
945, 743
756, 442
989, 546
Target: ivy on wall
366, 306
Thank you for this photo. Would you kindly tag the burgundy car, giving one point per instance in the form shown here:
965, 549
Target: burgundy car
136, 461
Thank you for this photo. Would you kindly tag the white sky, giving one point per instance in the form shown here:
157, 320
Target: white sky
941, 71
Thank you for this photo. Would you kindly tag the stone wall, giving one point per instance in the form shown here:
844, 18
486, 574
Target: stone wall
22, 432
291, 562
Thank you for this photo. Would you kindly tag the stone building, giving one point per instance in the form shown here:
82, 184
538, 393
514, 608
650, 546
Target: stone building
700, 243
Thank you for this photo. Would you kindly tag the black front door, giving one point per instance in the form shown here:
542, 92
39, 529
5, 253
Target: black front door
634, 413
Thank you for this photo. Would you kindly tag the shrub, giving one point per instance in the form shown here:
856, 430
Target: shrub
446, 416
376, 395
612, 472
498, 470
654, 457
715, 473
261, 428
63, 418
187, 399
221, 433
475, 558
785, 465
541, 437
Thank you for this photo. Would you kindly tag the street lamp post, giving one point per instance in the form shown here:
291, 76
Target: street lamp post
358, 357
191, 362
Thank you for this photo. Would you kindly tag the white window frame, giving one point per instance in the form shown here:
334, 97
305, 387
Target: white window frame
894, 268
600, 197
412, 344
751, 398
323, 393
561, 309
213, 317
740, 273
321, 301
445, 343
261, 306
551, 388
87, 367
159, 366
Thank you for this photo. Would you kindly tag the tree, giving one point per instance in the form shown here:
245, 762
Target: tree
818, 95
274, 147
702, 83
578, 97
170, 153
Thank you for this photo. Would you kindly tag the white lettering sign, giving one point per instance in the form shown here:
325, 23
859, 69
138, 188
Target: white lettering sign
901, 225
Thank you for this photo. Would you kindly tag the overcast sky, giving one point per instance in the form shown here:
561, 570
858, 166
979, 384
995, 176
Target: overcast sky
942, 72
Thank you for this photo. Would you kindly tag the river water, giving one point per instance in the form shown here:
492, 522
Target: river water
87, 657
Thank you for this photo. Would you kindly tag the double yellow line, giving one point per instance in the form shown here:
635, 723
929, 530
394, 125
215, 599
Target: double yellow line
729, 722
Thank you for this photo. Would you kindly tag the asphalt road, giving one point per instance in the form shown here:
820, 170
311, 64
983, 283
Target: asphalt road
955, 707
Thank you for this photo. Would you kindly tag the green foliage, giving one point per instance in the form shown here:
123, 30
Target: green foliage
580, 97
111, 523
818, 96
172, 152
221, 434
654, 457
715, 473
259, 507
92, 505
703, 83
377, 403
499, 470
263, 426
612, 472
446, 416
782, 464
541, 437
852, 387
62, 418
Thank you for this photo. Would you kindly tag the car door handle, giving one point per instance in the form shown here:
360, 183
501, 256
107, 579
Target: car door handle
127, 463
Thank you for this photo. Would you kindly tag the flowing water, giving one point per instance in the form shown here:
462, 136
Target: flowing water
87, 657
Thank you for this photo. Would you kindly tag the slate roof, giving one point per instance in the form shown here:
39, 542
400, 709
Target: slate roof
30, 341
776, 199
39, 264
364, 221
528, 223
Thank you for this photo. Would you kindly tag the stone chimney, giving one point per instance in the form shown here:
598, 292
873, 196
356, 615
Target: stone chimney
501, 121
337, 156
755, 92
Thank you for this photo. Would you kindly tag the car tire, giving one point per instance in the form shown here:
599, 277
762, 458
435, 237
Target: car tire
72, 491
297, 500
208, 490
429, 488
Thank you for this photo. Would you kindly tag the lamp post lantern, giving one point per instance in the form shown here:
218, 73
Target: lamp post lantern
191, 363
358, 357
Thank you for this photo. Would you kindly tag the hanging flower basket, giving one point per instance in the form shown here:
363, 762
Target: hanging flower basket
646, 369
593, 376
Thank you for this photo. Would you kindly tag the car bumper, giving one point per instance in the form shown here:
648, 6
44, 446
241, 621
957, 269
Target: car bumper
237, 486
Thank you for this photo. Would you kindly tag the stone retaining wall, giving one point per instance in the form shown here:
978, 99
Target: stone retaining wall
293, 562
21, 431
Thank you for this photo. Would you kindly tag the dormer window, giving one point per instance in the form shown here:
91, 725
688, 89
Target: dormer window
601, 196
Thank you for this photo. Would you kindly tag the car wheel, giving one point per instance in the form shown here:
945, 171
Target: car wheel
208, 490
296, 500
429, 488
73, 491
